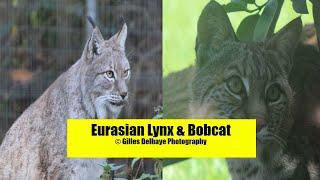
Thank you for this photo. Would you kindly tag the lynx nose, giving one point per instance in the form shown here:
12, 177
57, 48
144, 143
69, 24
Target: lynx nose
261, 123
123, 94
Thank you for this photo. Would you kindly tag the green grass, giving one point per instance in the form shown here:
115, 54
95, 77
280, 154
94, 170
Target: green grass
202, 169
179, 32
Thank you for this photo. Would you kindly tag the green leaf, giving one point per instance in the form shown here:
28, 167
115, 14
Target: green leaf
275, 19
235, 5
114, 168
250, 1
106, 167
246, 28
148, 176
300, 6
134, 162
170, 161
144, 176
316, 17
158, 116
316, 3
267, 21
239, 1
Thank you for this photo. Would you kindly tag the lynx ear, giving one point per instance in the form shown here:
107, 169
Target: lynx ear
214, 26
285, 42
120, 37
94, 44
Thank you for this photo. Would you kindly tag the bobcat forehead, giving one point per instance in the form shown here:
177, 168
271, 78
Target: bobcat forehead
255, 63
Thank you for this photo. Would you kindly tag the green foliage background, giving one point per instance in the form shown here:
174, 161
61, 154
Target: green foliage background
179, 32
180, 27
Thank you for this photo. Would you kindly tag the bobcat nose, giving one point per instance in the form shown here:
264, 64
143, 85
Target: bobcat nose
123, 94
261, 123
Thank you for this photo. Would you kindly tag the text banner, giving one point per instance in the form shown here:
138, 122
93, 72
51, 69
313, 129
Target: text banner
165, 138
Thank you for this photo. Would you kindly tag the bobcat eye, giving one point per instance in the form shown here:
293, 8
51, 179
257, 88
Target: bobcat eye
234, 84
273, 93
109, 74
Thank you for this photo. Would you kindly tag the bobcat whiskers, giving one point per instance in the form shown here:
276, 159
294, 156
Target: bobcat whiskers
265, 136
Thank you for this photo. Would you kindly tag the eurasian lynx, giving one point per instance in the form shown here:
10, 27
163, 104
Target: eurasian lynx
94, 87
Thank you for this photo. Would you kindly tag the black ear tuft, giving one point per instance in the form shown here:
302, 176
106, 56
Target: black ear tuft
90, 19
122, 20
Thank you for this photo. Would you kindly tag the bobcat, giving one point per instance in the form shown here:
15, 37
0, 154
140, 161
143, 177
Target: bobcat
94, 87
269, 81
258, 80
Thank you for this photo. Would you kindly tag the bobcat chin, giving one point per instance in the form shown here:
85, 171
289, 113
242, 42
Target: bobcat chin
96, 86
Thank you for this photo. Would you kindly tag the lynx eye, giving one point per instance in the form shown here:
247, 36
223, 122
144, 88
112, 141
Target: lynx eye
126, 73
109, 74
235, 85
273, 93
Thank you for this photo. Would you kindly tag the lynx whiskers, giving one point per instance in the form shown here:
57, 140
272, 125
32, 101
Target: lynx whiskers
96, 86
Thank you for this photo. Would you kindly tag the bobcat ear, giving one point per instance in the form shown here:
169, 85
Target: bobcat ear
120, 37
214, 26
286, 40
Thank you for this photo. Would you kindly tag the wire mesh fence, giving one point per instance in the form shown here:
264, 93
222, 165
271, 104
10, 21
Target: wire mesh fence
40, 39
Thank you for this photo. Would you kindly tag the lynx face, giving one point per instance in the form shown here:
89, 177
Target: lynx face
107, 73
244, 80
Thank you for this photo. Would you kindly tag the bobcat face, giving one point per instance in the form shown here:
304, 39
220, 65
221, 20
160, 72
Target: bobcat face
107, 73
244, 80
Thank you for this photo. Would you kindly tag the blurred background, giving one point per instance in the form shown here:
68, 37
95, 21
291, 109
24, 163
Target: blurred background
40, 39
179, 31
179, 34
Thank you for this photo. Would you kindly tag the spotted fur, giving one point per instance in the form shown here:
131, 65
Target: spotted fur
35, 145
259, 74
